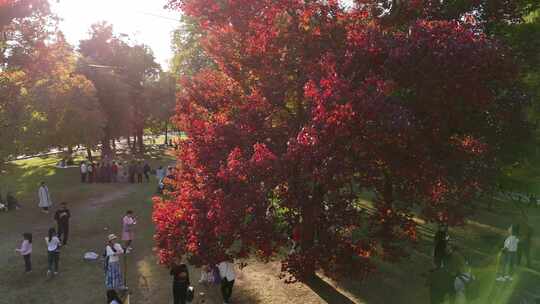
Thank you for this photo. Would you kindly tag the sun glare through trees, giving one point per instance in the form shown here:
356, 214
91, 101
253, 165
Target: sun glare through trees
265, 151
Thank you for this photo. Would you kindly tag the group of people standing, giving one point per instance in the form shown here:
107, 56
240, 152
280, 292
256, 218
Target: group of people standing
451, 276
114, 279
115, 172
222, 274
57, 237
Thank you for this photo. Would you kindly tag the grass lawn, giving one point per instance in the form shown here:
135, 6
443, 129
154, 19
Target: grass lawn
97, 210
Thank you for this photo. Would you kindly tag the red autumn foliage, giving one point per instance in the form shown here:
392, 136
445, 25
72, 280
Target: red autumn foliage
312, 105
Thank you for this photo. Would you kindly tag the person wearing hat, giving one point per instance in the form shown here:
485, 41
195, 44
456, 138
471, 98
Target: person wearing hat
113, 274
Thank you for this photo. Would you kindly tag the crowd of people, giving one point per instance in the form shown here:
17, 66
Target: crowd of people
57, 238
109, 171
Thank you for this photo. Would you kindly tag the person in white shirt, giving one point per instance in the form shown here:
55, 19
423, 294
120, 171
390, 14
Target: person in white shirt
113, 251
509, 254
53, 251
26, 251
228, 275
45, 201
84, 172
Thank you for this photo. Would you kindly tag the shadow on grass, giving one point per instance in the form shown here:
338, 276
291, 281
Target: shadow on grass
327, 292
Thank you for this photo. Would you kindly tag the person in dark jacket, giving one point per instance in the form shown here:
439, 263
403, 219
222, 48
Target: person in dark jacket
146, 171
61, 217
12, 202
139, 172
181, 283
440, 246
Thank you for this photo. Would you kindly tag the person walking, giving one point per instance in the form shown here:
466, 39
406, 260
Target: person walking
131, 172
181, 283
26, 251
146, 171
84, 172
139, 170
12, 202
113, 275
160, 174
45, 201
114, 172
91, 172
62, 217
509, 255
228, 275
128, 224
53, 252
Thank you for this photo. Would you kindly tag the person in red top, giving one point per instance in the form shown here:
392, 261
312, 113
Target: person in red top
114, 172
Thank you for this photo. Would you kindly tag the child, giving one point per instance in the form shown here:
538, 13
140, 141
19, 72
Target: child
26, 251
128, 223
53, 251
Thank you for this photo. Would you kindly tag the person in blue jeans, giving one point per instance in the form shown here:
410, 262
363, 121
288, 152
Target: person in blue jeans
53, 252
509, 255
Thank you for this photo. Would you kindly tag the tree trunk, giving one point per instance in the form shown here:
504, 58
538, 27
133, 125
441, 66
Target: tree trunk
133, 147
310, 226
129, 141
140, 141
106, 145
70, 150
113, 145
166, 133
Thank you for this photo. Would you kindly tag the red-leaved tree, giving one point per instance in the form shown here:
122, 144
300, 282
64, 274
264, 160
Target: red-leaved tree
312, 105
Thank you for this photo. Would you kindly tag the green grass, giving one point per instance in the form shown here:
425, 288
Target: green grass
79, 281
94, 218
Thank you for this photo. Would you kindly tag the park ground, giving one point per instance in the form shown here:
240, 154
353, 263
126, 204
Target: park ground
97, 210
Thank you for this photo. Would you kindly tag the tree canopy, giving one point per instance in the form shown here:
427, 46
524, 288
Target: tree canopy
307, 107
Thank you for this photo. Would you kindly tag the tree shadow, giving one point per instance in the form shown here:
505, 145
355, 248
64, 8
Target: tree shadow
327, 292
